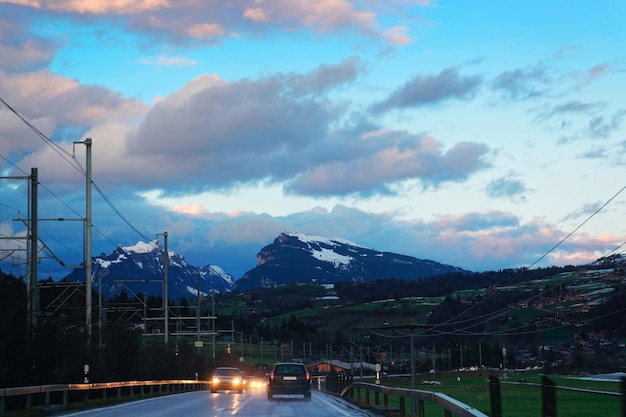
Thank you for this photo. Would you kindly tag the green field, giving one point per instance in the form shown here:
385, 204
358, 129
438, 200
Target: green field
519, 400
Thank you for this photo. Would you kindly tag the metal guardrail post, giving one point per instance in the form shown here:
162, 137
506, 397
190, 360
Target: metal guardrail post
495, 397
548, 397
402, 407
420, 408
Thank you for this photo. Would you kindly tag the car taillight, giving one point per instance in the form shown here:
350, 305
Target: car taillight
272, 376
308, 377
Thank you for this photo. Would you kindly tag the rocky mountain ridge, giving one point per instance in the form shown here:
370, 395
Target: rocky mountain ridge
139, 269
302, 258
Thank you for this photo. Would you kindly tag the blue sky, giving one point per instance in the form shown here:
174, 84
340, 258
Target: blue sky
477, 134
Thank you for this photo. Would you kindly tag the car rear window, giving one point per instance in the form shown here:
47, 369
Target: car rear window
289, 370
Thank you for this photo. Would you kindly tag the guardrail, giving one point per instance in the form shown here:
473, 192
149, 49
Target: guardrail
58, 395
418, 397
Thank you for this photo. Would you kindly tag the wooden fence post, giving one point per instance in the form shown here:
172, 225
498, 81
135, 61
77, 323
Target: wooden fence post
495, 398
624, 396
548, 395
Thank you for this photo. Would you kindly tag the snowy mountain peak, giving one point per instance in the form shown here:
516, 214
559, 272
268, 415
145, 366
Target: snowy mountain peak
139, 268
141, 247
312, 239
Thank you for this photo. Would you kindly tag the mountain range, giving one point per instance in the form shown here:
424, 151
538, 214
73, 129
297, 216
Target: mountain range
290, 258
139, 269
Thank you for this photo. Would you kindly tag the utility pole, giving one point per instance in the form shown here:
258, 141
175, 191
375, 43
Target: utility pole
88, 226
87, 243
166, 262
100, 312
213, 318
33, 293
198, 307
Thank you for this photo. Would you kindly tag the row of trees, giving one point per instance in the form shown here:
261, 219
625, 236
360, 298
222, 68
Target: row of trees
58, 347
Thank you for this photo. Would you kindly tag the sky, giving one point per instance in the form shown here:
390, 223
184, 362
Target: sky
484, 135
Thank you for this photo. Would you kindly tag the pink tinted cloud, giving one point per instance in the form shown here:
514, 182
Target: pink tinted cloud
397, 36
192, 209
202, 20
96, 6
256, 14
46, 94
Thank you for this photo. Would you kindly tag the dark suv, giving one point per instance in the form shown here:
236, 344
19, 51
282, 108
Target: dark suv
289, 378
227, 379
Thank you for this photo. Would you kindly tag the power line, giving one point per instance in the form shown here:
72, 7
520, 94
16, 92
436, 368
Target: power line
505, 309
76, 165
60, 151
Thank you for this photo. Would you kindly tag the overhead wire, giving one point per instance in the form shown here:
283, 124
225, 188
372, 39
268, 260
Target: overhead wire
71, 159
455, 320
59, 150
570, 234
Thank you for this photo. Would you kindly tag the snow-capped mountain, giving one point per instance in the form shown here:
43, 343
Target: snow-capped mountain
139, 268
297, 257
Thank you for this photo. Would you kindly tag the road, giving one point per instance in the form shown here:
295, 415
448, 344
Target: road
252, 403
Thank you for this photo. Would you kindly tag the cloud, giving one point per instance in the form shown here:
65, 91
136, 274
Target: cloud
595, 72
205, 30
325, 77
43, 93
474, 221
591, 120
207, 22
20, 51
396, 156
521, 84
256, 14
175, 62
244, 130
282, 129
595, 152
96, 6
432, 89
226, 132
397, 36
508, 188
600, 128
279, 129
